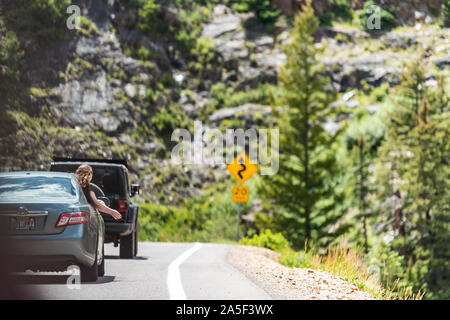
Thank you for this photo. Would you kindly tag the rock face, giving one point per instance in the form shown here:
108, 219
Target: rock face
248, 51
442, 62
254, 56
104, 88
371, 68
406, 11
223, 22
91, 96
374, 61
246, 111
292, 6
351, 33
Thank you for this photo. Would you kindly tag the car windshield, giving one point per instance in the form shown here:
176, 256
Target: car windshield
35, 188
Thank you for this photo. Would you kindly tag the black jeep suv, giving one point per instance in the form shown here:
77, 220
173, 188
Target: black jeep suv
110, 179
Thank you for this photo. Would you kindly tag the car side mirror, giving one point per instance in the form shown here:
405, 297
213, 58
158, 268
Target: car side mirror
135, 188
105, 200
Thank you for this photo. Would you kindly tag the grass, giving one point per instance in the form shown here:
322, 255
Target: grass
340, 261
346, 263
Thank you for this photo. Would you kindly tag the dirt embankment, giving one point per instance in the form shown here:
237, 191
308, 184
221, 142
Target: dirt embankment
281, 282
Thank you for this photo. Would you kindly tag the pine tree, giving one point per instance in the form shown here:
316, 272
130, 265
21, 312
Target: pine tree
415, 157
361, 139
305, 189
400, 121
360, 154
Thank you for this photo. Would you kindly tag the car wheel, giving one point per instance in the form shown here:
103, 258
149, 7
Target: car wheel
89, 274
127, 246
101, 267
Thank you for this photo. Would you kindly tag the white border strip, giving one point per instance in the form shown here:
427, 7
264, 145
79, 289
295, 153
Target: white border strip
174, 284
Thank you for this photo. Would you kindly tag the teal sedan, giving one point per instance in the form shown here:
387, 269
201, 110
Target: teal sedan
51, 224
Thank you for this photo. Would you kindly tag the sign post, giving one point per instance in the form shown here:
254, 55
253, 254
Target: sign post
238, 222
240, 194
241, 169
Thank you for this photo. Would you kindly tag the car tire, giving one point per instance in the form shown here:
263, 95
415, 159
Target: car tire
89, 274
101, 267
127, 246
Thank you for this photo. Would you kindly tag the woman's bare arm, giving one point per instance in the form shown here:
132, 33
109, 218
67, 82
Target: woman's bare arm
100, 206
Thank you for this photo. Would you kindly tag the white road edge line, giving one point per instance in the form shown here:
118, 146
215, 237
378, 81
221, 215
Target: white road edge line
174, 284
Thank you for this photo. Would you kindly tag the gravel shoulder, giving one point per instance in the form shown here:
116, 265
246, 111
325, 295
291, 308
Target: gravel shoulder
283, 283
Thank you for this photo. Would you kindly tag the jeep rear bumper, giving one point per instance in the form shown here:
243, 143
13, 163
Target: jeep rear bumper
118, 228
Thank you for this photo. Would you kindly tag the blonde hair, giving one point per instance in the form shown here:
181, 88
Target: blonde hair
82, 175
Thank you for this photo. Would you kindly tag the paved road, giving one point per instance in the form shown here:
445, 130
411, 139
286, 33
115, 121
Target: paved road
160, 271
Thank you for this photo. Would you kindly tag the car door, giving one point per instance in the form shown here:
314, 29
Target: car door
100, 236
92, 229
100, 221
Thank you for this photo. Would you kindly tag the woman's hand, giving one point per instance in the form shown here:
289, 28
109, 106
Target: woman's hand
116, 215
100, 206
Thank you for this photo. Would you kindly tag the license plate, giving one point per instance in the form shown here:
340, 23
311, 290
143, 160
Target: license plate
22, 223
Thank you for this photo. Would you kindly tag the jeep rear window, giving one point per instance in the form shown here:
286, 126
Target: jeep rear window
107, 178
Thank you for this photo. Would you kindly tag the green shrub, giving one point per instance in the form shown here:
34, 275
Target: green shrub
207, 218
392, 271
10, 62
223, 96
260, 95
262, 9
160, 223
147, 12
298, 259
387, 16
379, 94
206, 62
326, 19
445, 13
164, 122
268, 240
143, 53
87, 27
42, 19
342, 9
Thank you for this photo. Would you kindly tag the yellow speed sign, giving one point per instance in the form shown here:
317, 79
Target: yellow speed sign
240, 194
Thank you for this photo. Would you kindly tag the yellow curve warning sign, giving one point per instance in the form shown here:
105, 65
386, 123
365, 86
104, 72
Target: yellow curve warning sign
241, 168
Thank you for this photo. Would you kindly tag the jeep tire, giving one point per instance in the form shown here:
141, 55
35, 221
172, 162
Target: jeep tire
127, 244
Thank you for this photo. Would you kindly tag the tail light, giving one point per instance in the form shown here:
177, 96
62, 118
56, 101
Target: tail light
123, 206
71, 218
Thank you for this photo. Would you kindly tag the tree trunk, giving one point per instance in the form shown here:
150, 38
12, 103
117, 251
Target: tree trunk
398, 222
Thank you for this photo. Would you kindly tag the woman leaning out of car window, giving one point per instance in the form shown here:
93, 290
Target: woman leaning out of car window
84, 176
